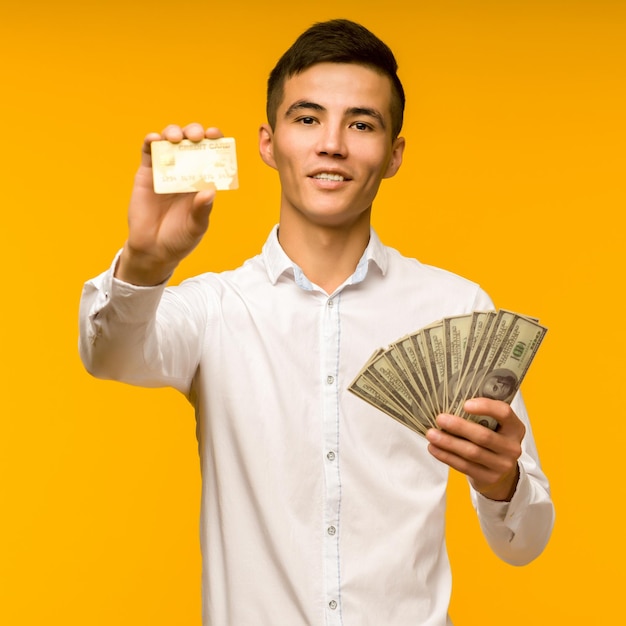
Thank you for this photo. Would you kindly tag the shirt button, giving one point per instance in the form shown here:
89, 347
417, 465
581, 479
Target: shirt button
331, 456
331, 303
332, 604
331, 530
330, 380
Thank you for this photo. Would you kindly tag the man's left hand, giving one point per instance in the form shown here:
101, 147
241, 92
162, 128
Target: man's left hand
487, 457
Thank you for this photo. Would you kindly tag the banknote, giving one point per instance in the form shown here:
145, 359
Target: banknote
456, 338
403, 354
486, 331
409, 351
502, 375
382, 372
369, 392
432, 338
437, 368
189, 166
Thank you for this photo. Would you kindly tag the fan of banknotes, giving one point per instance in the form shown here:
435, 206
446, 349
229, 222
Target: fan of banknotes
437, 368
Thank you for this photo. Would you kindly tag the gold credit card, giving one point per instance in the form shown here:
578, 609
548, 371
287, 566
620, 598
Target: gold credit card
189, 166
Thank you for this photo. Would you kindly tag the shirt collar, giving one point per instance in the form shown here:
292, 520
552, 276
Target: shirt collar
277, 262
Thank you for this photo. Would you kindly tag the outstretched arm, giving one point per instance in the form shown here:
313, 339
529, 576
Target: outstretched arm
130, 328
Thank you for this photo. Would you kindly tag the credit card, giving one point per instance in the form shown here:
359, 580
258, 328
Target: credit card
189, 166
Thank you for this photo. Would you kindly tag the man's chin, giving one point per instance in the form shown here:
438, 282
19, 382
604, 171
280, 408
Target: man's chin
337, 217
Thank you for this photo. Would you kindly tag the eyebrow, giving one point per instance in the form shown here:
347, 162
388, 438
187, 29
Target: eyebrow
303, 104
314, 106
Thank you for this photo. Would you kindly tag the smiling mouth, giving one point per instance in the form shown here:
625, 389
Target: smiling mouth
327, 176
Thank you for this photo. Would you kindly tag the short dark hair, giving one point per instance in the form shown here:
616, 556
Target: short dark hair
336, 41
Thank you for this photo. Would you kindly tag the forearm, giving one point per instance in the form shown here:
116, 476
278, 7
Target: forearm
113, 337
127, 333
518, 531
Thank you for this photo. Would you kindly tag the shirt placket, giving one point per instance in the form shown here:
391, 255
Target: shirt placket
330, 450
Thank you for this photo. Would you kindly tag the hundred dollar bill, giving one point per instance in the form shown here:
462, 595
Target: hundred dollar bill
507, 369
456, 338
367, 387
419, 405
439, 367
480, 359
385, 375
419, 341
392, 381
404, 356
364, 389
433, 340
499, 377
479, 341
412, 352
189, 166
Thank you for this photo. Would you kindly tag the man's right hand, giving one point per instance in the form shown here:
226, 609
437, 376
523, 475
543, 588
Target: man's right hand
163, 228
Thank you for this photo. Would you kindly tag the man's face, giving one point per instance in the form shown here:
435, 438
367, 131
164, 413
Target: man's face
332, 143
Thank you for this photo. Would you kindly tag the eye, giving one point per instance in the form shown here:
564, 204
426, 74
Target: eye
307, 120
362, 126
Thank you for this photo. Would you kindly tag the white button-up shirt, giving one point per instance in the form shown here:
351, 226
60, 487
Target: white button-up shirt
316, 507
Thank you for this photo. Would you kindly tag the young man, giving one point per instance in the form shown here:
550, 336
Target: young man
316, 507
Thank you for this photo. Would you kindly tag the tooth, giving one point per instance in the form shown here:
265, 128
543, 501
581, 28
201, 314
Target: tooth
326, 176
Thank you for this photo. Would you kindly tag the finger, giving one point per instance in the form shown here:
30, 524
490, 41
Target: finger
213, 133
475, 443
495, 477
173, 133
201, 209
497, 484
458, 462
480, 463
498, 410
452, 443
193, 131
205, 197
146, 150
464, 429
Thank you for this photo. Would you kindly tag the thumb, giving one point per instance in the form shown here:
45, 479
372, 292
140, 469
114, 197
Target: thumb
202, 206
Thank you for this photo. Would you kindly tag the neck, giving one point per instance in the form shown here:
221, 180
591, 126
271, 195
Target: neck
327, 255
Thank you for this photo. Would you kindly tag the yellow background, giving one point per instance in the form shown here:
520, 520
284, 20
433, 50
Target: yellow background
513, 177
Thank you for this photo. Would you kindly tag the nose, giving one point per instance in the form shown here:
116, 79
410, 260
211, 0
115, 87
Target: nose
331, 141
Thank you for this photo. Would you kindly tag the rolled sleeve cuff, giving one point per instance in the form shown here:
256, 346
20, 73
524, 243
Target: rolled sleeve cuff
129, 303
509, 513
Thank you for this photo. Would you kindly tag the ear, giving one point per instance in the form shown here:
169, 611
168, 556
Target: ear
395, 162
266, 145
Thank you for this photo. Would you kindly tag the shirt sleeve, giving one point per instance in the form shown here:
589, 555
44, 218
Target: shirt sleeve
519, 530
145, 336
